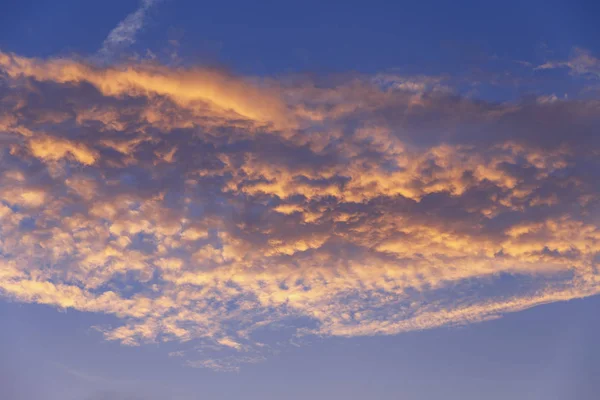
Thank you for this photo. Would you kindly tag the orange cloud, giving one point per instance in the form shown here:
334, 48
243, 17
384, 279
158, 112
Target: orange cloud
232, 204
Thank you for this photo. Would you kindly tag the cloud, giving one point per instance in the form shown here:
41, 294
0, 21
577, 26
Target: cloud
124, 34
205, 93
582, 63
197, 205
227, 364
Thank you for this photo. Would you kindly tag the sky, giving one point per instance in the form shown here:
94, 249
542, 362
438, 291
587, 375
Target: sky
299, 200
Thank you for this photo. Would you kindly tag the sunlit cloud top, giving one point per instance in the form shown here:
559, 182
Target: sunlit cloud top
193, 204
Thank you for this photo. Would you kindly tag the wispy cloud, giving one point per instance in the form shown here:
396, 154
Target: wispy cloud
226, 364
582, 62
124, 34
97, 379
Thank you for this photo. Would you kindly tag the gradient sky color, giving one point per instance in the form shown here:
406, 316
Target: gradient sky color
299, 200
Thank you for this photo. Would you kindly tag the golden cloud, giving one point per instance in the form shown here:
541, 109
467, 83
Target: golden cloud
193, 204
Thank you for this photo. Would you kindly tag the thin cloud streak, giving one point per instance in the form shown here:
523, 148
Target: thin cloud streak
581, 63
124, 34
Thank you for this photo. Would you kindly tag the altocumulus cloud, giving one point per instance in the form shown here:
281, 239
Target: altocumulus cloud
192, 204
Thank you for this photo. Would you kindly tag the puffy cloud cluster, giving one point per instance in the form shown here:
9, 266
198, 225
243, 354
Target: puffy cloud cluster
193, 204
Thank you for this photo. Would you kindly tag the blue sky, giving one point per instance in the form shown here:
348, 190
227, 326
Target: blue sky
429, 37
544, 353
291, 200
